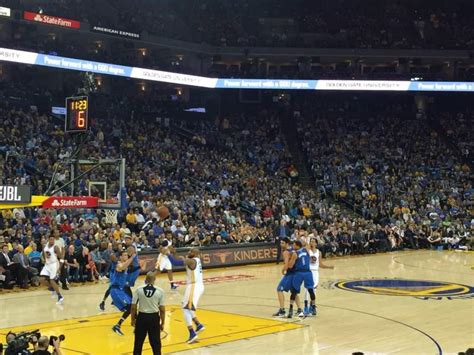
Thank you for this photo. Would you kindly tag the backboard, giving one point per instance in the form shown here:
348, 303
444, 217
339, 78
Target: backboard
103, 178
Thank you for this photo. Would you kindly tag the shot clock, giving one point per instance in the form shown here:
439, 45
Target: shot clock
77, 109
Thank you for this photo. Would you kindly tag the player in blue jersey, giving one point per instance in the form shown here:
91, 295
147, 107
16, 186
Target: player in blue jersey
289, 258
114, 260
302, 274
134, 268
120, 298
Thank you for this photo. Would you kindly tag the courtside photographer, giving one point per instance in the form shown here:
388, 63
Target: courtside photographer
44, 342
32, 342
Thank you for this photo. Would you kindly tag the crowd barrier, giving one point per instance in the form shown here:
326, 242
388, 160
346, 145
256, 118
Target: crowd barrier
221, 256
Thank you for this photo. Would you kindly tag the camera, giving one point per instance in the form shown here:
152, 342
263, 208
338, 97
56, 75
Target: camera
53, 338
19, 343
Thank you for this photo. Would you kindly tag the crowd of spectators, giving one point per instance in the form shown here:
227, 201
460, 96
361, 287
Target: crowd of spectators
228, 191
269, 23
301, 23
460, 129
228, 181
391, 165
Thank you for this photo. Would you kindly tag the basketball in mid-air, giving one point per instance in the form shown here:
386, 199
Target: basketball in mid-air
163, 212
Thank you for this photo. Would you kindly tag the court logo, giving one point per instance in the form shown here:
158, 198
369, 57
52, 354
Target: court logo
420, 289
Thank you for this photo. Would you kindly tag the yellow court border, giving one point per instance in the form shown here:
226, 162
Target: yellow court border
93, 334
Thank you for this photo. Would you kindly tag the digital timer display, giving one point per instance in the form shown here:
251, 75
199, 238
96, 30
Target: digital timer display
77, 109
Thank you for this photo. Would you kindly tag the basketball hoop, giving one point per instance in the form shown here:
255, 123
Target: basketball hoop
111, 216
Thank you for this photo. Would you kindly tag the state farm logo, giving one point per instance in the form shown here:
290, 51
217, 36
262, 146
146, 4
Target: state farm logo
71, 202
68, 203
51, 20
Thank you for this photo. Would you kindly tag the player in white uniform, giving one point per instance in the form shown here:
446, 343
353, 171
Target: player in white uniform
50, 255
194, 291
314, 265
163, 263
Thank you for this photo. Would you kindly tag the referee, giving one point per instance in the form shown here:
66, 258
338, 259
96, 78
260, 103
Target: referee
150, 300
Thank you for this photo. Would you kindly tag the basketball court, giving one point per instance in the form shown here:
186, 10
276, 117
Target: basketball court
402, 302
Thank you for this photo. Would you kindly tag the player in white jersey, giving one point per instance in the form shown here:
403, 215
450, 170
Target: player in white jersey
194, 291
50, 256
314, 264
163, 263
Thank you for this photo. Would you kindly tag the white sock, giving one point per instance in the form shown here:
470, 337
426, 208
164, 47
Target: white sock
188, 317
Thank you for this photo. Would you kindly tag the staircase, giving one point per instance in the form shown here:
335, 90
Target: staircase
436, 126
288, 126
299, 158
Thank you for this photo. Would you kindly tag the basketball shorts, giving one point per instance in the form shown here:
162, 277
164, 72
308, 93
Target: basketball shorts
163, 263
285, 283
300, 277
315, 277
132, 277
120, 298
191, 296
50, 270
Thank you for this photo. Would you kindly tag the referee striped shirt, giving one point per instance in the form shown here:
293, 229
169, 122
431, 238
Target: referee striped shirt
149, 299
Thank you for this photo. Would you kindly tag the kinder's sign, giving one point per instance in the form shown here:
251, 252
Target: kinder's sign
51, 20
15, 194
71, 202
231, 255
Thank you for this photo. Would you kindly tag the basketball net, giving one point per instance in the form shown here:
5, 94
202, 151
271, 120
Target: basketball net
111, 216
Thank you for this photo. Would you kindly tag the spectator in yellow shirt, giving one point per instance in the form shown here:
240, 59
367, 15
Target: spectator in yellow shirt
116, 233
29, 248
7, 214
306, 211
131, 219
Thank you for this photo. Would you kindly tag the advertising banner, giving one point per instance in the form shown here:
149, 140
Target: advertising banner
71, 202
51, 20
53, 61
5, 11
57, 110
114, 32
15, 194
232, 255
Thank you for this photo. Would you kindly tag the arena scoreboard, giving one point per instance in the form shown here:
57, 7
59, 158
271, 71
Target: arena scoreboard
77, 110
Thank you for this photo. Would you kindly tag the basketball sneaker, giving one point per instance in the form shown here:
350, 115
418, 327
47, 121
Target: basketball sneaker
117, 330
192, 337
102, 306
300, 313
280, 313
200, 328
290, 314
314, 310
174, 286
60, 300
